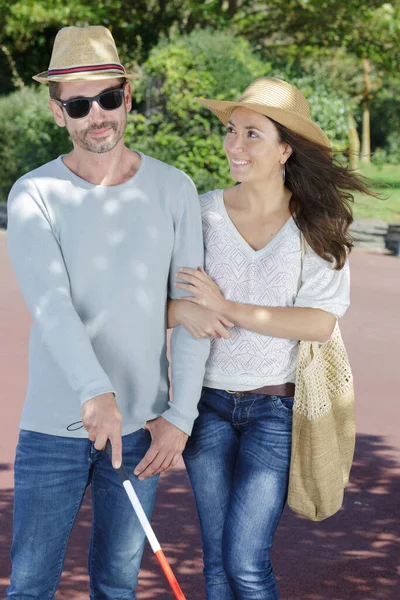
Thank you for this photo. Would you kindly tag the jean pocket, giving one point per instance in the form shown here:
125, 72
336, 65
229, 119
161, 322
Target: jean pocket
283, 404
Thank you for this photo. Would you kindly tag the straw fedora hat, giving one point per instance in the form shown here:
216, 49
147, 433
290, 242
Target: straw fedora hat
276, 99
84, 53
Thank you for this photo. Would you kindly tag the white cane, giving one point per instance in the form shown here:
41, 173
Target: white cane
141, 515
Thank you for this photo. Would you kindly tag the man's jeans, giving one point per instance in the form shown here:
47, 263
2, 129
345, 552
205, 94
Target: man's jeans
51, 475
238, 462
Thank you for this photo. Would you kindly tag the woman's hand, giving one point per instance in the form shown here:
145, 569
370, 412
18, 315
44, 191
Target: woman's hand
205, 291
201, 322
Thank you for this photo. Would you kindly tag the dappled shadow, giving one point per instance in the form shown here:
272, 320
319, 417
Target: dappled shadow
355, 554
352, 556
74, 579
176, 526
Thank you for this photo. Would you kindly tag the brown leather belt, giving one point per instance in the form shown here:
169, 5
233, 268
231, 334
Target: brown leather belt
284, 389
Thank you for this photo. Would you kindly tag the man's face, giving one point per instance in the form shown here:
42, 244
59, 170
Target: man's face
100, 130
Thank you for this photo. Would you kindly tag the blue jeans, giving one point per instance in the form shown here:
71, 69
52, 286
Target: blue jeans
238, 462
51, 476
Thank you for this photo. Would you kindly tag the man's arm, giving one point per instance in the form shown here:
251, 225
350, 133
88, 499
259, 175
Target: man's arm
42, 276
188, 354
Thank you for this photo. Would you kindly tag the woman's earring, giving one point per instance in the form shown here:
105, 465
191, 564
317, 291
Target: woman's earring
283, 173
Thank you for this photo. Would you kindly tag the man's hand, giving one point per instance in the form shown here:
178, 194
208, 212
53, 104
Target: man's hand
102, 419
167, 445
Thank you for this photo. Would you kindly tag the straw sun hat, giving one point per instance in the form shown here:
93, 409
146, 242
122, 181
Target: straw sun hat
84, 53
276, 99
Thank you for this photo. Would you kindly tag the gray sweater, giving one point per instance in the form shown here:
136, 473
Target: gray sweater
95, 265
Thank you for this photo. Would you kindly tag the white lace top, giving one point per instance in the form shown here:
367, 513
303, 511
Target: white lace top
266, 277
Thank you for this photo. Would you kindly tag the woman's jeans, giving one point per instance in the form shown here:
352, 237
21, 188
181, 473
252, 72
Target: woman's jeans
51, 475
238, 462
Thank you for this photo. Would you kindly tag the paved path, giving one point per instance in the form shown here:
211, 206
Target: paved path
352, 556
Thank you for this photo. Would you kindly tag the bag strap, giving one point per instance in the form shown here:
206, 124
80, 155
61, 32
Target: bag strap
303, 246
303, 249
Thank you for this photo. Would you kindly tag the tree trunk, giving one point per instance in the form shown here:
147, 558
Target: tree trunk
366, 131
354, 144
232, 8
366, 135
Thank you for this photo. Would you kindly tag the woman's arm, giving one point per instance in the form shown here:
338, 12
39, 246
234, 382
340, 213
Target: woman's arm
290, 323
198, 320
311, 324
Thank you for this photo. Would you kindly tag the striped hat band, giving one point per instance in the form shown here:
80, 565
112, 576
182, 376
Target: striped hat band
85, 69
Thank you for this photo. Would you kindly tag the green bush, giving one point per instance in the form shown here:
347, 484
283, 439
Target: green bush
30, 135
393, 147
379, 158
329, 109
167, 122
385, 121
170, 125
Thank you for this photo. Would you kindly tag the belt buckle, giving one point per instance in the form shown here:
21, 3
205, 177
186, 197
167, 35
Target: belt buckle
238, 394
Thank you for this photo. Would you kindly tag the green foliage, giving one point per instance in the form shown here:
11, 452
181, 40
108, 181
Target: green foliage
365, 28
169, 123
379, 158
30, 135
329, 107
393, 147
326, 40
331, 111
28, 27
385, 122
341, 39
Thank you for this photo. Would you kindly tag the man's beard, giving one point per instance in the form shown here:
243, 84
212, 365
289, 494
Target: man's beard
101, 145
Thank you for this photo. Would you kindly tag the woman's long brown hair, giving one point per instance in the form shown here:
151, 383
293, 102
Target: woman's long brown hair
321, 196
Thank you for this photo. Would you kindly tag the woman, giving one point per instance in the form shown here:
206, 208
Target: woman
257, 300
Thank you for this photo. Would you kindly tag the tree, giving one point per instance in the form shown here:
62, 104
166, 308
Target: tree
353, 43
368, 30
28, 27
170, 125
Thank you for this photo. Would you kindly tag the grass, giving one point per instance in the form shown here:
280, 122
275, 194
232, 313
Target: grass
386, 181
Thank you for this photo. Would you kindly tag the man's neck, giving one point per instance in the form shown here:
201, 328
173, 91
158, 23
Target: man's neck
110, 168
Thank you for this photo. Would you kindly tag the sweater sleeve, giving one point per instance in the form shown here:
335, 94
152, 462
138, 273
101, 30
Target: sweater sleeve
322, 286
188, 354
38, 262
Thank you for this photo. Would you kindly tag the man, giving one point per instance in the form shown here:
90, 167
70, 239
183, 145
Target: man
96, 239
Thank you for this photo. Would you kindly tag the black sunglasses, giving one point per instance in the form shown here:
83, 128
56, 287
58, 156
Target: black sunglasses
77, 108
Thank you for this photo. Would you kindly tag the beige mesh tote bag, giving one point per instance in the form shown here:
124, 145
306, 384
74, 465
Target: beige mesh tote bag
323, 434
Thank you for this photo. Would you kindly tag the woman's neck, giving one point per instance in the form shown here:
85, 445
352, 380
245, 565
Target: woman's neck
263, 197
